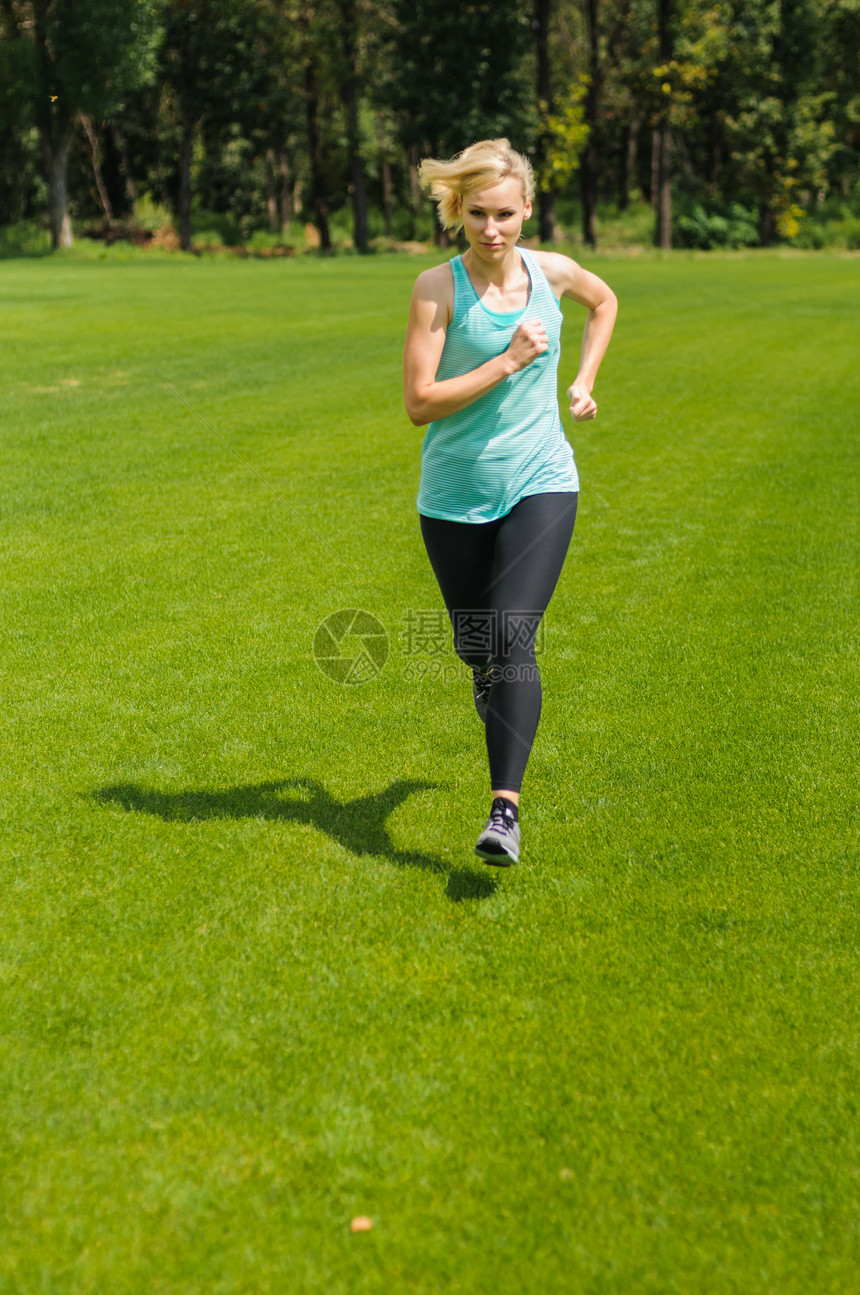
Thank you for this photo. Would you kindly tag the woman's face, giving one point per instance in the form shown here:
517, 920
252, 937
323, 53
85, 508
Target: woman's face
493, 218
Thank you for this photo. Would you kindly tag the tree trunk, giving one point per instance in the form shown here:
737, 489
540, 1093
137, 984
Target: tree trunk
546, 215
186, 155
358, 189
55, 146
661, 170
628, 170
588, 185
124, 166
663, 230
55, 131
349, 100
316, 159
358, 184
414, 191
714, 166
546, 193
286, 203
95, 148
319, 202
271, 195
588, 165
765, 225
386, 194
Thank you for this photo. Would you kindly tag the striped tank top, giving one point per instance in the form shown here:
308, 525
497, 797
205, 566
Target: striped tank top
478, 463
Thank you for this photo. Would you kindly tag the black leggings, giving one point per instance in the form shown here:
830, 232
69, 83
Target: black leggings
497, 579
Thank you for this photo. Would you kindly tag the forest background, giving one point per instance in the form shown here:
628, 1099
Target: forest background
282, 126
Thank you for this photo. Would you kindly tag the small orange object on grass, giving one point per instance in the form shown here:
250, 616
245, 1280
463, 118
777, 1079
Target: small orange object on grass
361, 1223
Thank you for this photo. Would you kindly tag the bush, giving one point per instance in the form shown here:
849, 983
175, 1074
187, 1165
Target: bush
838, 232
150, 215
263, 240
215, 227
735, 227
26, 238
812, 237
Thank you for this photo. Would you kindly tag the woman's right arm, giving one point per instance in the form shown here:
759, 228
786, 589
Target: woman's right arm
429, 316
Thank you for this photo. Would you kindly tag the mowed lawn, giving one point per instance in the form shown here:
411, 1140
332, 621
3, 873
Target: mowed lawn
253, 982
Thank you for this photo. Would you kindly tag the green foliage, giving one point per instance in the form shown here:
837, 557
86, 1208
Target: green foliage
567, 136
760, 98
70, 59
209, 60
737, 226
25, 238
843, 232
87, 58
151, 215
778, 126
458, 73
212, 227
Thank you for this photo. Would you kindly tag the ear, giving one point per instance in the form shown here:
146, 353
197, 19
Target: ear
527, 210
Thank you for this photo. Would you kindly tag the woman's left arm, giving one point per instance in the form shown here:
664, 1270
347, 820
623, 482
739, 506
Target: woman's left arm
567, 279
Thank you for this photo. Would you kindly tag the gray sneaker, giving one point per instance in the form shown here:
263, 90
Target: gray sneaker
482, 682
499, 843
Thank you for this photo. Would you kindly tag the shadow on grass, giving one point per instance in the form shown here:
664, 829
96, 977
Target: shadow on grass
464, 883
358, 825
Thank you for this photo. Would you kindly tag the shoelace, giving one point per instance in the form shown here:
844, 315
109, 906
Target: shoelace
483, 683
502, 820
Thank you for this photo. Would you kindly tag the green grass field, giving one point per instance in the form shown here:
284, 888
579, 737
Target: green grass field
253, 981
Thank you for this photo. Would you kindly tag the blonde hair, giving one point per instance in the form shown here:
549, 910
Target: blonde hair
478, 167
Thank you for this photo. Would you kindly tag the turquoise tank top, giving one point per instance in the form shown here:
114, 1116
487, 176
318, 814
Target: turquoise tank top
509, 443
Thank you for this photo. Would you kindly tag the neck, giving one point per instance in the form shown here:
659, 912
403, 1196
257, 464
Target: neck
495, 272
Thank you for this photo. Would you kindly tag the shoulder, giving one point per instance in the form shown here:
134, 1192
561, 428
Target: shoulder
561, 271
567, 278
437, 282
434, 291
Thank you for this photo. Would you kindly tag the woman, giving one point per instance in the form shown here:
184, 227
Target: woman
499, 485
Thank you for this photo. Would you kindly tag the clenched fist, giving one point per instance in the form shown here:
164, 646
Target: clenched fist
528, 342
582, 404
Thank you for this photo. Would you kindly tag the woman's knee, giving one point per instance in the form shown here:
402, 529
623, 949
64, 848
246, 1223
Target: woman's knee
517, 672
475, 637
516, 637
